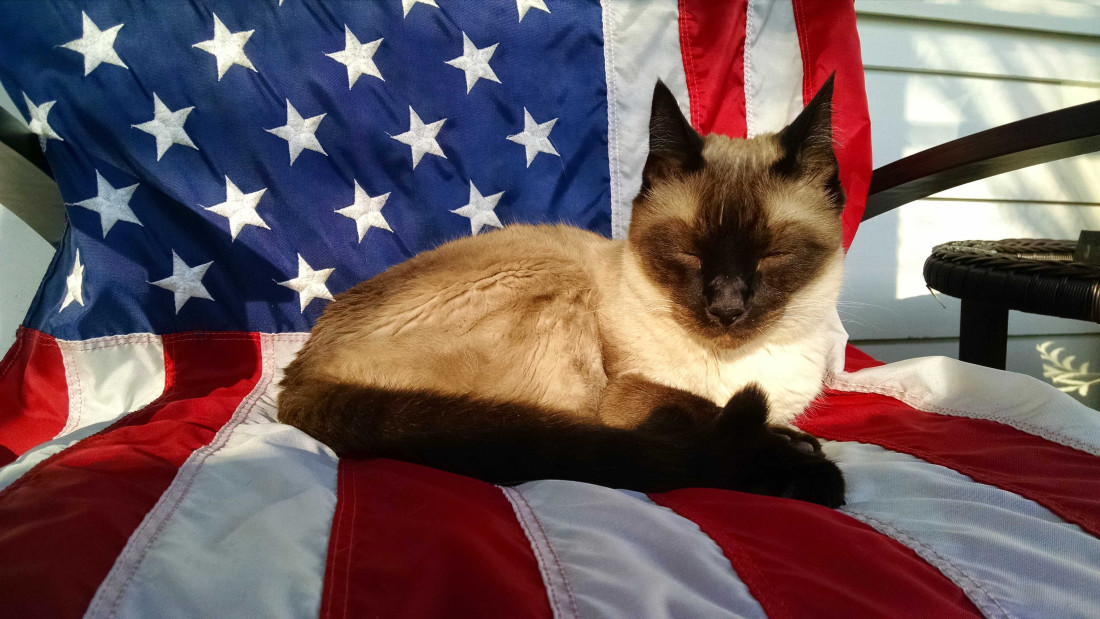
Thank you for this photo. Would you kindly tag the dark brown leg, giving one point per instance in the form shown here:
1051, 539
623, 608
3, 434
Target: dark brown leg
983, 334
628, 401
732, 446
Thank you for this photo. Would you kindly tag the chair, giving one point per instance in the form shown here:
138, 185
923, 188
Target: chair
148, 476
991, 278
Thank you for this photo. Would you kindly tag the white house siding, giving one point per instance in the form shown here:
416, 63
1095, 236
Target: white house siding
937, 71
23, 260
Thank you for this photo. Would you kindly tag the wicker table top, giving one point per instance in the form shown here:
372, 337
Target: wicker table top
1030, 275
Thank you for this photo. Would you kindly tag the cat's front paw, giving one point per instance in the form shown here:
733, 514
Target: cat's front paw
798, 439
788, 463
815, 481
754, 456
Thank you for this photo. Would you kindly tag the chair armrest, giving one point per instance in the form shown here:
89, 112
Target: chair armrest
34, 197
15, 134
26, 186
1039, 139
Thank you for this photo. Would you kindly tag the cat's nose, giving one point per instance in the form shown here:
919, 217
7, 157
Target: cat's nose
727, 313
726, 299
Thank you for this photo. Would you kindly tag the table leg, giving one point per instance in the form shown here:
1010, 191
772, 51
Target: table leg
983, 334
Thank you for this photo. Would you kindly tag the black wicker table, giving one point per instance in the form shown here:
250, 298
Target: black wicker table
992, 277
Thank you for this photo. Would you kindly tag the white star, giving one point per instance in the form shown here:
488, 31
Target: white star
98, 46
535, 137
421, 137
38, 123
167, 126
366, 211
407, 5
309, 284
480, 210
74, 284
298, 132
227, 47
475, 62
185, 282
358, 57
239, 208
113, 205
525, 5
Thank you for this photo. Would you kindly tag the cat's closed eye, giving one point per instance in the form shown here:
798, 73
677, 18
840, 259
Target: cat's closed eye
689, 260
776, 257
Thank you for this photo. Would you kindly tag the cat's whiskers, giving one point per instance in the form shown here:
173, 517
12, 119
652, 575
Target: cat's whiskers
855, 304
850, 318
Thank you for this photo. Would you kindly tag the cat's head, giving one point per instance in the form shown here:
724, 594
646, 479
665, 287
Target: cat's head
733, 230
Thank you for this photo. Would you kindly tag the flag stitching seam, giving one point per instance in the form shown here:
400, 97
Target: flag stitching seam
971, 586
354, 506
834, 382
762, 590
180, 486
989, 478
76, 393
532, 528
800, 28
613, 137
746, 70
109, 341
689, 66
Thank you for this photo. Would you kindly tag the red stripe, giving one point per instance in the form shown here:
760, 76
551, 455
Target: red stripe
411, 541
829, 41
34, 397
821, 563
1062, 479
712, 43
63, 524
856, 360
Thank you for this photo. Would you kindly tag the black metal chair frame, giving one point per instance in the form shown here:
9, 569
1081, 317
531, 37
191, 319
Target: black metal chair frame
1014, 278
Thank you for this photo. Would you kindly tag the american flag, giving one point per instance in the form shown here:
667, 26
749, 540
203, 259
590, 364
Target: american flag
230, 166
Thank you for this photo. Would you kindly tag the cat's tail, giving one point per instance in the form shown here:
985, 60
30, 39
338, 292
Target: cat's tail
510, 443
498, 442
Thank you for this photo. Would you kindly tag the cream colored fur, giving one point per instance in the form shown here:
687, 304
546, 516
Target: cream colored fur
788, 361
530, 313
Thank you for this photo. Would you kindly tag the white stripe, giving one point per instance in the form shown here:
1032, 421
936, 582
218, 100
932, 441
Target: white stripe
641, 44
110, 376
74, 391
243, 529
120, 374
1012, 557
624, 556
951, 387
285, 348
773, 66
562, 603
40, 452
106, 378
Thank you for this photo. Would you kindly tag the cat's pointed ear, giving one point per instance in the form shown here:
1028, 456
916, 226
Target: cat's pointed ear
674, 146
807, 145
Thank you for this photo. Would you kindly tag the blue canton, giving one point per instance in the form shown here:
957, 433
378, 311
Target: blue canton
232, 165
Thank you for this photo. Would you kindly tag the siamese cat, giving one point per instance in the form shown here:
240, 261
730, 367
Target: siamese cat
673, 358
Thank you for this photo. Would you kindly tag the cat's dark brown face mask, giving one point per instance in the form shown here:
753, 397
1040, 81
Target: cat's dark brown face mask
733, 230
